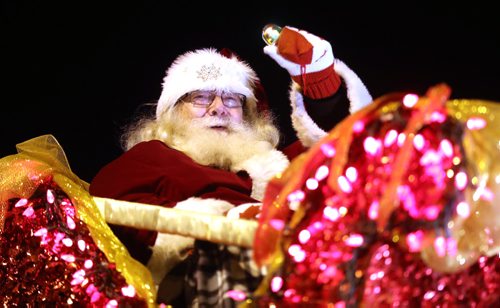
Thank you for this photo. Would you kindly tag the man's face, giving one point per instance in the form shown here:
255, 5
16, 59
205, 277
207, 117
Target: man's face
211, 129
222, 107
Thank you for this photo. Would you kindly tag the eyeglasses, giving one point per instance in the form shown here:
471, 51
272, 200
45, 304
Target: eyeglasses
206, 98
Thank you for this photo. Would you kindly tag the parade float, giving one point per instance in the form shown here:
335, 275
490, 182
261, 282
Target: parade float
399, 205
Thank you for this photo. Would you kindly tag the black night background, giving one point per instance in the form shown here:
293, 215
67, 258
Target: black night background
80, 71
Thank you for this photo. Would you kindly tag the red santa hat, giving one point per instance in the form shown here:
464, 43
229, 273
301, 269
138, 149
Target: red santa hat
207, 69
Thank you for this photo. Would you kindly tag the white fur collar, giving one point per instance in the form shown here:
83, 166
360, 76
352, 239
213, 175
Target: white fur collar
262, 168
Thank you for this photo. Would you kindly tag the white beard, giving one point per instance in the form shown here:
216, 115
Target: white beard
221, 149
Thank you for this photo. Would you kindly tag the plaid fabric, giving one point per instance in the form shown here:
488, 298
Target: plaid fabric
213, 270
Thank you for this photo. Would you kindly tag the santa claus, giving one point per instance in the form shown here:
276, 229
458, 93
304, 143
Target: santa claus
212, 147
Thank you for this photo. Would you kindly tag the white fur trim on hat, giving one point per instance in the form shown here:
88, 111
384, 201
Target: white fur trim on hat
205, 69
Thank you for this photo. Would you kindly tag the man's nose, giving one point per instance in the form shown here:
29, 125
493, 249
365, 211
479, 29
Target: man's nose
217, 107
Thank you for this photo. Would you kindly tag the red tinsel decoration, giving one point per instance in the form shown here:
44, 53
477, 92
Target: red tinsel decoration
49, 258
336, 249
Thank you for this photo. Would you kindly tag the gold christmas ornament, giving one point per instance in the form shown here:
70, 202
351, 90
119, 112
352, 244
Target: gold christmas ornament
271, 33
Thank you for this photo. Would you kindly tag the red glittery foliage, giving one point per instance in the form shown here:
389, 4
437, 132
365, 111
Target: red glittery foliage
336, 254
49, 258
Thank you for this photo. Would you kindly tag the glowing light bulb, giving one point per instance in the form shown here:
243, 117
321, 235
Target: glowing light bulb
271, 33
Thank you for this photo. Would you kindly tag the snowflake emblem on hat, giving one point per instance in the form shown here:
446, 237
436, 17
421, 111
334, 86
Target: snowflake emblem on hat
209, 72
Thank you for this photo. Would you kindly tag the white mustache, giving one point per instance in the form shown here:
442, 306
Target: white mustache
211, 122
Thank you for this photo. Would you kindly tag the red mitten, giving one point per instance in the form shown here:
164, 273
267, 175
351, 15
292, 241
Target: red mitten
309, 61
